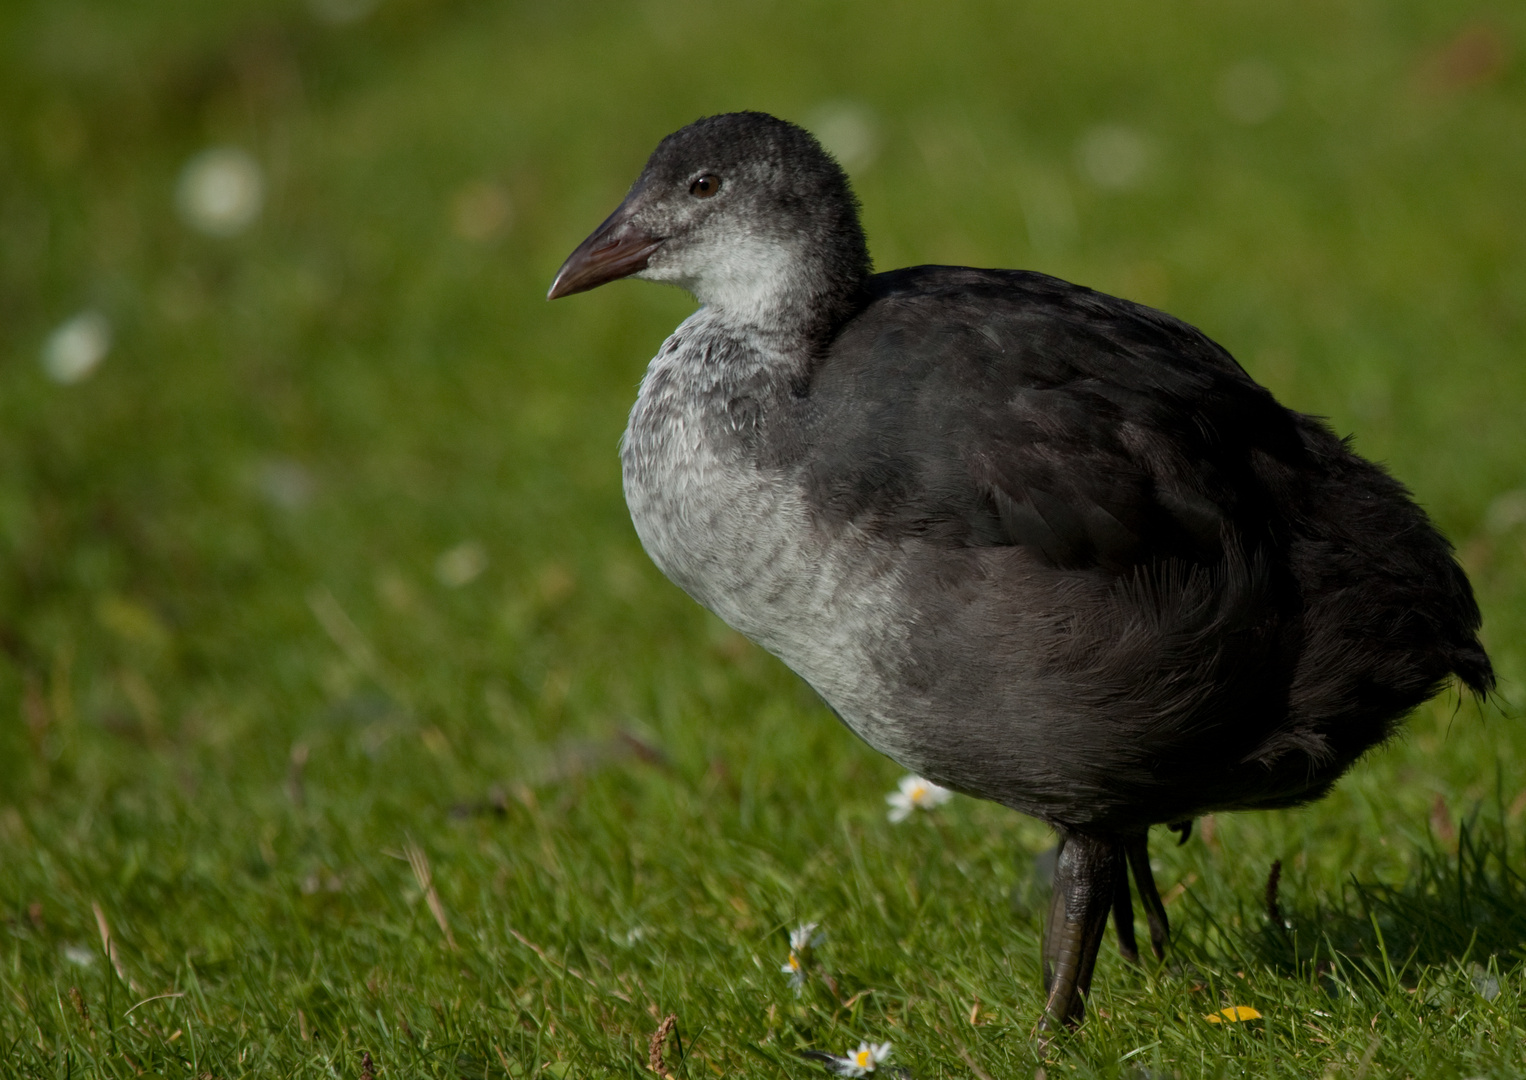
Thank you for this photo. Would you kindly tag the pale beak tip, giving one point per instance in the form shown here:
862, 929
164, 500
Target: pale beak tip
615, 250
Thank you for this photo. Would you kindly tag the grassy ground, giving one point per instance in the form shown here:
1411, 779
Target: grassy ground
325, 565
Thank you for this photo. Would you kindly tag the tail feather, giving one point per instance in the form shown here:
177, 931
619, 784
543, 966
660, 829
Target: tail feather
1472, 666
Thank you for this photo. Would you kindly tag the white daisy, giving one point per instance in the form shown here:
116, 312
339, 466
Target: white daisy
802, 939
862, 1061
805, 937
221, 191
74, 350
794, 967
915, 792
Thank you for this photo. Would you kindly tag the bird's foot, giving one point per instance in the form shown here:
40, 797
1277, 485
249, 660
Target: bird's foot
1091, 881
1138, 851
1086, 882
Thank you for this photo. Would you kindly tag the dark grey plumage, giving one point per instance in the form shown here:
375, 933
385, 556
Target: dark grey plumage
1041, 545
1246, 602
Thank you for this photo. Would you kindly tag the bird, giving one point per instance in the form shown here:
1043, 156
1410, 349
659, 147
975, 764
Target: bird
1037, 544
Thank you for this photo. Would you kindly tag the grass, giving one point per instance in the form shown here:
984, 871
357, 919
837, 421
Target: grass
327, 565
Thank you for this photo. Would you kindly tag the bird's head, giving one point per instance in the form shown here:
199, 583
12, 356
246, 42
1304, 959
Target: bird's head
743, 210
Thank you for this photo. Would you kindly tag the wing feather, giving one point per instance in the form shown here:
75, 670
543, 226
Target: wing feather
1001, 407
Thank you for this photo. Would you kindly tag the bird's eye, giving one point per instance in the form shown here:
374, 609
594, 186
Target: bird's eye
705, 186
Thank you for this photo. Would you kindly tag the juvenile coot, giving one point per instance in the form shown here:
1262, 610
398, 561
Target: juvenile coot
1038, 544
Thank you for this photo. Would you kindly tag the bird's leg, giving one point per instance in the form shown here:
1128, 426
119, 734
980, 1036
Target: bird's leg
1123, 919
1085, 891
1138, 851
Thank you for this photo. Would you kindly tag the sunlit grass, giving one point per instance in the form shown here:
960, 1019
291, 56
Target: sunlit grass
317, 593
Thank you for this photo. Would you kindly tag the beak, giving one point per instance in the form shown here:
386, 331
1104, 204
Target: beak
616, 249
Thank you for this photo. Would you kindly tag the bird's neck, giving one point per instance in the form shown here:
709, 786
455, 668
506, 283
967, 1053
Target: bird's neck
788, 293
718, 355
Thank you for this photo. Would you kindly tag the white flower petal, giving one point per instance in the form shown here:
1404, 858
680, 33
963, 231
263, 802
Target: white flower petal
461, 565
915, 792
220, 191
76, 347
79, 954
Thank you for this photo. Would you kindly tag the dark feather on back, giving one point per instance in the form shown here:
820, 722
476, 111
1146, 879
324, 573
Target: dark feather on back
1264, 604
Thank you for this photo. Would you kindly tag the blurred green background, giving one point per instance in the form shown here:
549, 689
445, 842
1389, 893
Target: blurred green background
313, 553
